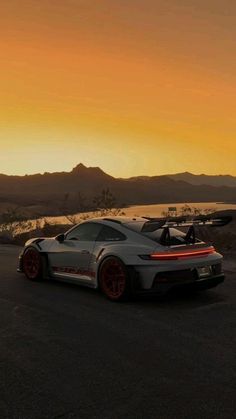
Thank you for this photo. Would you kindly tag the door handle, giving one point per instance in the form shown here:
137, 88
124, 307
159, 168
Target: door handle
85, 252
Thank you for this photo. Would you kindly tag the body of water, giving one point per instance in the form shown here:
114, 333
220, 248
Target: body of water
154, 210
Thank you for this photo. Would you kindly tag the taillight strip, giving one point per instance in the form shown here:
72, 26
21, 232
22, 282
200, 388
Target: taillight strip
182, 255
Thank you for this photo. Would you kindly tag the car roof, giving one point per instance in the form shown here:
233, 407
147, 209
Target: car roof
134, 224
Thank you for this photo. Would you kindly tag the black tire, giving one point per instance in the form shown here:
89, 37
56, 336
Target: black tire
114, 280
32, 264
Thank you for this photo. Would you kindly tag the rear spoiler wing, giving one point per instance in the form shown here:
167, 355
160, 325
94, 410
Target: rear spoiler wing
200, 220
153, 224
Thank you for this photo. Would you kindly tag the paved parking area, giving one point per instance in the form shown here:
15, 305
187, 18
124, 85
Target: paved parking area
67, 352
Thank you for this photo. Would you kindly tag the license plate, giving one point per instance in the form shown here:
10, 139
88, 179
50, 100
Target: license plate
204, 271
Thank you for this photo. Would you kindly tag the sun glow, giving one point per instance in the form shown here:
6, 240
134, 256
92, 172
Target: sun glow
117, 86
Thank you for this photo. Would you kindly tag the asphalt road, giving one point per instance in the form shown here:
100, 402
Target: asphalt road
67, 352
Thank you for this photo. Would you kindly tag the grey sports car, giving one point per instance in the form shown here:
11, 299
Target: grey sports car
122, 255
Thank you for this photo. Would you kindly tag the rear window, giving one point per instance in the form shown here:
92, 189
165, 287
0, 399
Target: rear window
110, 234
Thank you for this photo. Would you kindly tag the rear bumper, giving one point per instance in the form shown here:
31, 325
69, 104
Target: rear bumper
198, 285
182, 285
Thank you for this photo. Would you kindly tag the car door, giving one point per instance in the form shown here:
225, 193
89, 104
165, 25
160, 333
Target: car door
71, 258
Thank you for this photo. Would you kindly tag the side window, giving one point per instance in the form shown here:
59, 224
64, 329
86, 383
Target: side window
110, 234
84, 232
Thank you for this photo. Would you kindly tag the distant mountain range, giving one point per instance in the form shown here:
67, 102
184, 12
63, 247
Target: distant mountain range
210, 180
48, 190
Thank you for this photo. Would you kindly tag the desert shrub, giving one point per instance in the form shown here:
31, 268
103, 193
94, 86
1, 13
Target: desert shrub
16, 229
106, 204
102, 205
187, 211
47, 230
12, 222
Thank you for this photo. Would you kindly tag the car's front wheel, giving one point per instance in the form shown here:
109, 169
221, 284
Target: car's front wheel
114, 279
32, 264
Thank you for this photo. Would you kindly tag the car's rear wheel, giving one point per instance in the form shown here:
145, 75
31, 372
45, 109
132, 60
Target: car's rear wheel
114, 280
32, 264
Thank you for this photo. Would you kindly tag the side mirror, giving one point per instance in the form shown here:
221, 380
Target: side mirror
60, 238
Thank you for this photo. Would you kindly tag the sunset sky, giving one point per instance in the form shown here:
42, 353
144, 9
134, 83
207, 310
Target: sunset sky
133, 86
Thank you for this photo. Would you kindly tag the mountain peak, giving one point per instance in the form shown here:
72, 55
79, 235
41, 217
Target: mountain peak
79, 168
83, 170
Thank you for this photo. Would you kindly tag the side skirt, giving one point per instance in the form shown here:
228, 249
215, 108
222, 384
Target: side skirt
73, 279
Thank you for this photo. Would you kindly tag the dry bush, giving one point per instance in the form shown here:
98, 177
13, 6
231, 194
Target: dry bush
15, 229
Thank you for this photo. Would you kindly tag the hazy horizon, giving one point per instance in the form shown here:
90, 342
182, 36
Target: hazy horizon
122, 177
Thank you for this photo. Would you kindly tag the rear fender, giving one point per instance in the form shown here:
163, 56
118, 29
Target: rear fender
131, 271
128, 253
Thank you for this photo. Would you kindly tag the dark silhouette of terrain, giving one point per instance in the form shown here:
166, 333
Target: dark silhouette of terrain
45, 193
212, 180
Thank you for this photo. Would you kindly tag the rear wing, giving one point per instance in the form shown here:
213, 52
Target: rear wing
153, 224
200, 220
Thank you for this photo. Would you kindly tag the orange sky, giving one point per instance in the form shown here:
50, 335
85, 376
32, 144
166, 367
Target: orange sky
133, 86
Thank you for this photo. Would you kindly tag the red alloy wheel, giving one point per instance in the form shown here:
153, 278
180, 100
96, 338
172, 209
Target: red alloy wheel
32, 264
113, 279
